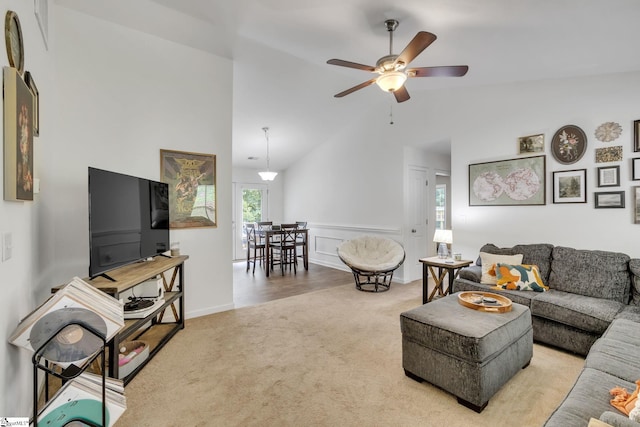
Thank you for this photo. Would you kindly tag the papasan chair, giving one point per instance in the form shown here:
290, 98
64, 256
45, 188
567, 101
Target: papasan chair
372, 260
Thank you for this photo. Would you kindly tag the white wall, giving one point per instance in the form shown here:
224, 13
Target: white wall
111, 98
353, 185
494, 117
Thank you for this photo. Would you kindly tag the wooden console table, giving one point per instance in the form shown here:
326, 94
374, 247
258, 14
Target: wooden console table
152, 329
445, 266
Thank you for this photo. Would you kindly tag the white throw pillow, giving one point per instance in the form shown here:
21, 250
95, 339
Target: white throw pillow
489, 262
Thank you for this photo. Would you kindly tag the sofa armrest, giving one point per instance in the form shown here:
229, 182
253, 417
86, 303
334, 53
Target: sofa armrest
472, 273
634, 268
617, 420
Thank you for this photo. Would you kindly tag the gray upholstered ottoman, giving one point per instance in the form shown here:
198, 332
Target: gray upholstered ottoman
468, 353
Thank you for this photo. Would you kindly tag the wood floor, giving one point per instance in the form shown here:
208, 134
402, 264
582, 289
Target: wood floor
251, 289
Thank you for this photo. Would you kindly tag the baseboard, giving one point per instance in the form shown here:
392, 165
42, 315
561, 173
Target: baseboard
209, 310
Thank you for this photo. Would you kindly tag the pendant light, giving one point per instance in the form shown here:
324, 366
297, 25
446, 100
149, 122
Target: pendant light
267, 176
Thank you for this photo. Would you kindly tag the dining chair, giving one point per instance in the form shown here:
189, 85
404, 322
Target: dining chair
301, 241
284, 251
254, 244
262, 226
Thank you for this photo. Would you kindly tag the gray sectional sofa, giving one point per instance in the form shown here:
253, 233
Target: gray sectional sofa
592, 308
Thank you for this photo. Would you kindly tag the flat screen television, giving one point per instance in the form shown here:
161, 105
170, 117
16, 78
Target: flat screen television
128, 220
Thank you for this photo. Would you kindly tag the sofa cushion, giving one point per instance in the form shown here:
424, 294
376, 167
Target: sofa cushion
630, 312
585, 313
535, 254
634, 267
519, 277
588, 398
591, 273
615, 357
473, 273
626, 331
489, 262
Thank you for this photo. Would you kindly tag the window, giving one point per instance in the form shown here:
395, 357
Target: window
441, 207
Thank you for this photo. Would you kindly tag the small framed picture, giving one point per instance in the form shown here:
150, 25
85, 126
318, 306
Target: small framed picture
531, 144
609, 176
570, 186
636, 205
636, 135
635, 169
609, 199
28, 79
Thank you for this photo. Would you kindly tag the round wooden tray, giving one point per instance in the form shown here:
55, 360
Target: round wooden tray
485, 301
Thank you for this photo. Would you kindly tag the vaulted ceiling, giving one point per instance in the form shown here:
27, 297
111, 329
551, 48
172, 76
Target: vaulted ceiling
280, 49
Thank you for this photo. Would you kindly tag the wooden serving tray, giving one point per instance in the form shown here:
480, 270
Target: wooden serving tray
485, 301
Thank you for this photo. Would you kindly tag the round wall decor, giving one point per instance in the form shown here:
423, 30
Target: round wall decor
609, 131
569, 144
13, 41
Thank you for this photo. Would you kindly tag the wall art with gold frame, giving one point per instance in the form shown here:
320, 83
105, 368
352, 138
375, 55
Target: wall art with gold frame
18, 137
192, 188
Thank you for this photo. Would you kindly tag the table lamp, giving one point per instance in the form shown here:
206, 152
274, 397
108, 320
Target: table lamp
443, 237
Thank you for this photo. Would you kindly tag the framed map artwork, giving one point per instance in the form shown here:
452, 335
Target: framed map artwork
192, 188
515, 182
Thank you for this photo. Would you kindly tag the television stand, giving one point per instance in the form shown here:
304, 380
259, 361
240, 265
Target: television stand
157, 327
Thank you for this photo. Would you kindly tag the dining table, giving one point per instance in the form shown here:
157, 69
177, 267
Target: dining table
271, 235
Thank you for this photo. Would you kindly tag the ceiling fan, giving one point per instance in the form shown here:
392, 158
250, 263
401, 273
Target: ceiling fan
392, 68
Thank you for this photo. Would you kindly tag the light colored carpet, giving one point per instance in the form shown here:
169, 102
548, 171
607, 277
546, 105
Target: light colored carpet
326, 358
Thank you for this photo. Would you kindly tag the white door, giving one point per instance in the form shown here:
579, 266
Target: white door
250, 206
418, 215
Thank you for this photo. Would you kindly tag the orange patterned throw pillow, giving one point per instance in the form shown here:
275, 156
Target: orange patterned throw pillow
521, 277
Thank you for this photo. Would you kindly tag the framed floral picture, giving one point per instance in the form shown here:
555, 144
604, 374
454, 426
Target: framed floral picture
569, 144
570, 186
609, 154
192, 188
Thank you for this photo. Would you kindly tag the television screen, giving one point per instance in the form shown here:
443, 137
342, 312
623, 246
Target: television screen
128, 219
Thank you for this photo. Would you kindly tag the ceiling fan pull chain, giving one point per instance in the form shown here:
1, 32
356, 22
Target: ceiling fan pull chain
391, 111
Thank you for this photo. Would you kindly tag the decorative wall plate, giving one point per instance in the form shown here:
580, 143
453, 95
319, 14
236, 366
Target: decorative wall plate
569, 144
609, 131
13, 41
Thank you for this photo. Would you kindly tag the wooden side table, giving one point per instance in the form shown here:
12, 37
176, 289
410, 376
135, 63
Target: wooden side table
445, 266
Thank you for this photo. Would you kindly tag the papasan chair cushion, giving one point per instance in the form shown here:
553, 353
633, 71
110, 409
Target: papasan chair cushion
374, 258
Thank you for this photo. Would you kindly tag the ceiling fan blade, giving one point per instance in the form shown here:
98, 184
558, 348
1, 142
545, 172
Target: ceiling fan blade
419, 43
444, 71
355, 88
349, 64
401, 94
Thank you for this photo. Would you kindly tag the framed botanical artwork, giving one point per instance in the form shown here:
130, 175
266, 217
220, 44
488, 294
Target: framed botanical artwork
636, 205
609, 154
192, 188
18, 137
531, 144
28, 79
636, 135
609, 199
570, 186
635, 169
569, 144
508, 182
609, 176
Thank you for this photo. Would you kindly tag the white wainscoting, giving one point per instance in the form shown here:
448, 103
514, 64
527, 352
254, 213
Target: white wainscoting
324, 240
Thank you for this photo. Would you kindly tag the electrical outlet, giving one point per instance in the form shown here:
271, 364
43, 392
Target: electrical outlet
7, 246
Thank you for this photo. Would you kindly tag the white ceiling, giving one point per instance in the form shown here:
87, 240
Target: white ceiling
280, 49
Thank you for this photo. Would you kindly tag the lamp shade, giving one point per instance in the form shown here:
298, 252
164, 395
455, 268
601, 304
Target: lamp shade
268, 176
390, 81
443, 236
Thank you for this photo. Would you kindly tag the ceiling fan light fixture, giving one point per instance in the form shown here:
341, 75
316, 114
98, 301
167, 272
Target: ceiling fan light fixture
391, 80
